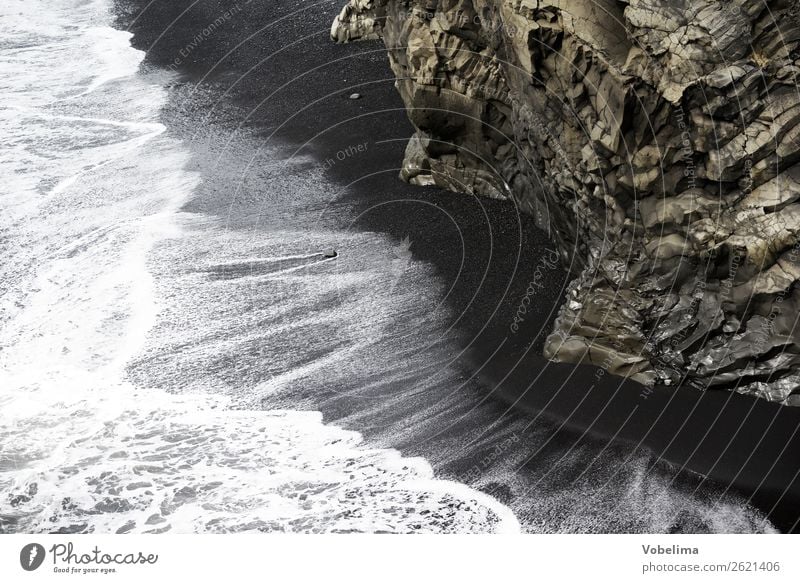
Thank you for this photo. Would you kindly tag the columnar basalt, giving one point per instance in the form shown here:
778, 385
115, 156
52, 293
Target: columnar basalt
659, 143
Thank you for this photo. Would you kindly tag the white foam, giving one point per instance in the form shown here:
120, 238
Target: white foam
189, 464
82, 448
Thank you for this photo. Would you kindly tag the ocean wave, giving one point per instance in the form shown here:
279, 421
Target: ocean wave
83, 449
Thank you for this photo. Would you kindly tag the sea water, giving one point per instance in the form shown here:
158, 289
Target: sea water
96, 279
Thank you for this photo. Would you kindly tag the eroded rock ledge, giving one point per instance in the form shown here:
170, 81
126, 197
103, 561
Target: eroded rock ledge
659, 143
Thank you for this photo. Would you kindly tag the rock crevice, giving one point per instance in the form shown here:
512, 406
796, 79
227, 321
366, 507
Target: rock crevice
658, 142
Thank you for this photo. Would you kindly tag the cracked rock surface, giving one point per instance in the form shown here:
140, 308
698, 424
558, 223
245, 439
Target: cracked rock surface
658, 141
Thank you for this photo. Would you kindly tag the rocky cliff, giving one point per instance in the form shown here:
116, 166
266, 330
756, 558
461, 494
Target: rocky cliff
658, 141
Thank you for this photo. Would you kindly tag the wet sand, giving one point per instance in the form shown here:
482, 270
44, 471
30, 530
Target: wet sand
293, 86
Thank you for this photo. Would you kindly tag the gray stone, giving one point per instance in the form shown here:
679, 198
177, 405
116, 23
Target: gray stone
659, 143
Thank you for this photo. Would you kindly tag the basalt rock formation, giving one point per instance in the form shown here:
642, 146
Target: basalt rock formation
659, 143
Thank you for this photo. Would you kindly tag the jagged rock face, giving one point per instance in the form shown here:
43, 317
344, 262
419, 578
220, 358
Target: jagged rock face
659, 143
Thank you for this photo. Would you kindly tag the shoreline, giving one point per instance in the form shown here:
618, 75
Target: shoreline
743, 443
504, 251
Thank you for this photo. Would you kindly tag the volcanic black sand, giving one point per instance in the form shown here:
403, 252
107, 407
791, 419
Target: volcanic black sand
277, 62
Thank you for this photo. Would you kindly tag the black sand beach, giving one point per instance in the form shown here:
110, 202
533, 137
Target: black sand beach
272, 69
